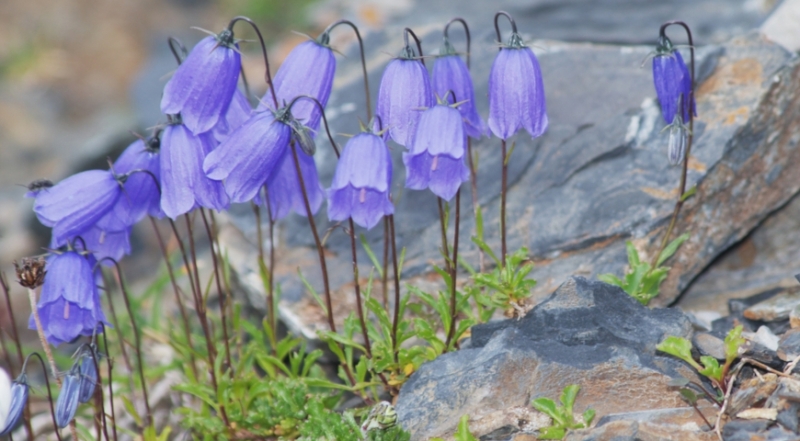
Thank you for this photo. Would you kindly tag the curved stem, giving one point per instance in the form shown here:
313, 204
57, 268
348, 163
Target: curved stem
363, 59
222, 293
685, 170
136, 337
453, 274
172, 41
267, 74
110, 385
47, 385
466, 31
359, 307
176, 289
324, 118
497, 25
406, 33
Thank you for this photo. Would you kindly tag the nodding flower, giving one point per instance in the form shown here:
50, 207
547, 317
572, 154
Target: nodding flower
673, 84
68, 399
435, 158
451, 78
516, 91
405, 91
202, 87
362, 182
69, 305
88, 373
13, 398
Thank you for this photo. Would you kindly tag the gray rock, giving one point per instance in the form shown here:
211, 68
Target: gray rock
741, 429
776, 308
708, 344
627, 430
789, 345
586, 333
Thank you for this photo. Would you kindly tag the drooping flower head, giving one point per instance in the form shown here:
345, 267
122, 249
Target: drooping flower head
405, 91
362, 182
68, 398
238, 112
69, 305
141, 195
202, 87
13, 398
250, 156
308, 70
88, 372
516, 90
184, 185
451, 78
435, 159
77, 203
673, 84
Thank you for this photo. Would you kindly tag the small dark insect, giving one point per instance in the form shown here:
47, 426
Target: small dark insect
31, 272
39, 185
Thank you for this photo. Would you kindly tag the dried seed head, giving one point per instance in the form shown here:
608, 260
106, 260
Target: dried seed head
31, 272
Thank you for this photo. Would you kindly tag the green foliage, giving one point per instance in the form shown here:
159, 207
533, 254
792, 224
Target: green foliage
562, 416
642, 281
462, 432
710, 368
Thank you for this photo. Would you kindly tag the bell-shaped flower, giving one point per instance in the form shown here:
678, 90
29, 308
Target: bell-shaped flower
435, 159
516, 92
106, 244
673, 83
13, 399
405, 91
202, 87
250, 156
69, 305
68, 399
88, 374
77, 203
308, 70
285, 194
184, 186
141, 195
451, 78
362, 182
238, 112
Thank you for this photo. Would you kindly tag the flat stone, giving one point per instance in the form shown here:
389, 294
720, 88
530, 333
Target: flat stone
752, 392
708, 344
776, 308
757, 413
794, 317
741, 429
586, 333
640, 430
789, 345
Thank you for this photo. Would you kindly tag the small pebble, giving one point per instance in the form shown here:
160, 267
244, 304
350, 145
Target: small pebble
758, 414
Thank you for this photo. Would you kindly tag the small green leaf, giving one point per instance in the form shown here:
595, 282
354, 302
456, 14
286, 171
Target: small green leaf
588, 417
549, 408
552, 432
671, 248
733, 341
712, 368
689, 395
568, 397
679, 347
689, 193
463, 433
633, 255
131, 410
611, 279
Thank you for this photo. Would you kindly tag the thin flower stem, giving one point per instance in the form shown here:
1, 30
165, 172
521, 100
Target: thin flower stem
363, 59
110, 385
224, 296
99, 401
271, 271
497, 25
185, 257
136, 337
453, 274
49, 392
359, 307
179, 55
260, 237
40, 330
200, 306
443, 231
125, 358
178, 294
503, 190
685, 171
267, 74
385, 273
466, 31
396, 319
406, 33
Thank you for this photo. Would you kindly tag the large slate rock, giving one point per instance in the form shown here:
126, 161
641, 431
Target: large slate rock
586, 333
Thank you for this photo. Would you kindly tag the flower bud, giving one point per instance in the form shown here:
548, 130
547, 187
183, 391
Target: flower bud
18, 398
67, 403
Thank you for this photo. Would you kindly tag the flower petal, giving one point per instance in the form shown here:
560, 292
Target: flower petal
404, 92
365, 163
516, 94
451, 75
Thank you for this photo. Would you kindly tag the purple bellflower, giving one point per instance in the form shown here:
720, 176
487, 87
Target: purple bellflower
435, 159
308, 70
250, 156
285, 194
69, 305
238, 112
202, 87
78, 202
67, 402
405, 91
105, 244
362, 182
451, 76
184, 186
673, 85
141, 196
15, 397
516, 92
88, 374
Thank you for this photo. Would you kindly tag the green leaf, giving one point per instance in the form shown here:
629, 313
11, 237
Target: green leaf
131, 409
375, 262
633, 255
568, 397
552, 432
588, 417
671, 248
733, 341
689, 193
712, 368
463, 433
549, 408
611, 279
689, 395
679, 347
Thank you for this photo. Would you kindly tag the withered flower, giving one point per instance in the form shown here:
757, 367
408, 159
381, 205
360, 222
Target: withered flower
30, 274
